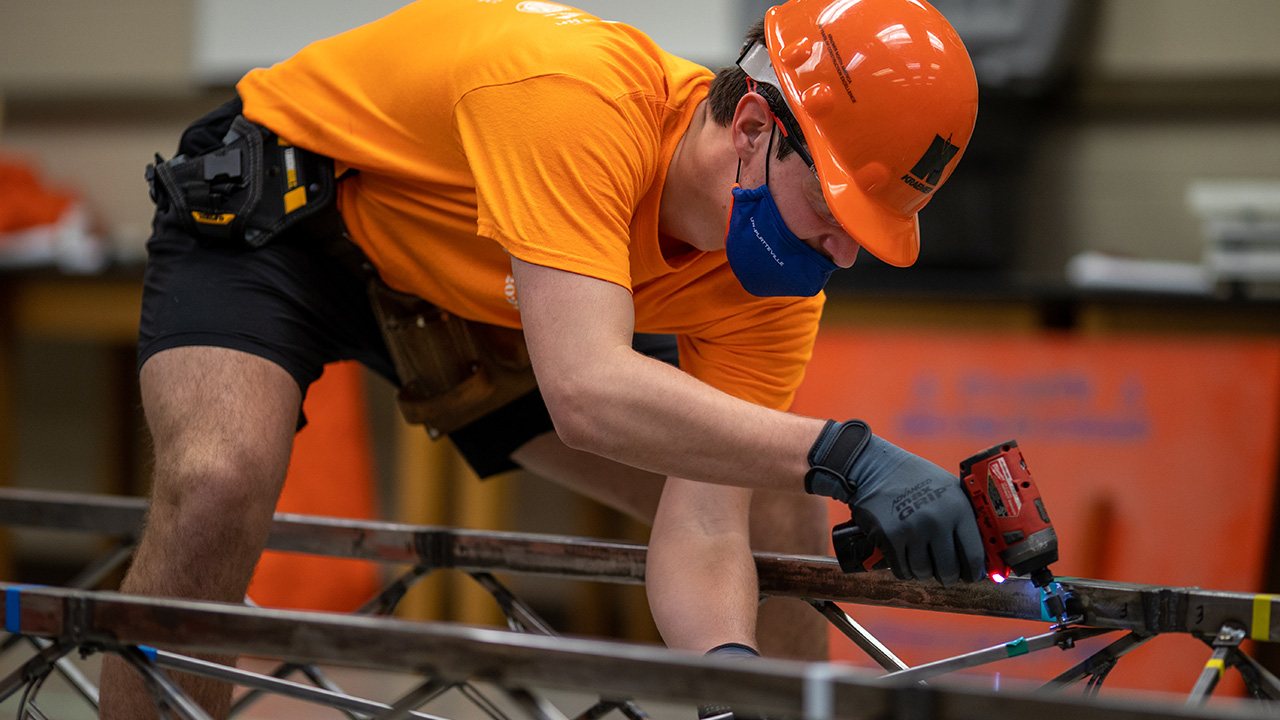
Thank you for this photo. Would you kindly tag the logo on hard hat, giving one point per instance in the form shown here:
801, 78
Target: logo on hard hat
928, 169
837, 60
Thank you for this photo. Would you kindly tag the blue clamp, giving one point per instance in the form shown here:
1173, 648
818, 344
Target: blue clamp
1056, 589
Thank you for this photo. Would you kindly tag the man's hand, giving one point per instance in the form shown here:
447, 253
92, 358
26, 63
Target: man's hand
913, 510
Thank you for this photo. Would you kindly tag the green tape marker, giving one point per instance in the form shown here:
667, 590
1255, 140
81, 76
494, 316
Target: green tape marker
1017, 647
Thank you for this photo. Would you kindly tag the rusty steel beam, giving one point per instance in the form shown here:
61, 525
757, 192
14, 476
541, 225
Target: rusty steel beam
1148, 609
451, 653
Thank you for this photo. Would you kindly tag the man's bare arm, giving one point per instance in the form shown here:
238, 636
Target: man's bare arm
608, 399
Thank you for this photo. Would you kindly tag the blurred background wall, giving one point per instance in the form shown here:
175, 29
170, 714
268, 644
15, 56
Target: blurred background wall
1160, 92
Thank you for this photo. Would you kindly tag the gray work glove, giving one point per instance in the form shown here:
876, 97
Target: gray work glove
915, 512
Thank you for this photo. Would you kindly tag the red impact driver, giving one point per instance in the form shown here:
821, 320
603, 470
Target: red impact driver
1015, 527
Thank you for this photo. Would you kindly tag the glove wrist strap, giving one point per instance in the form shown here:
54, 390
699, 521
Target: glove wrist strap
832, 456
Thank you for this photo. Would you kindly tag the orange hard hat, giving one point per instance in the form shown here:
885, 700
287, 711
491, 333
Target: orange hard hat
885, 95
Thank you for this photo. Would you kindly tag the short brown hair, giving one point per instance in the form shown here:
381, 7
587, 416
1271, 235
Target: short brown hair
730, 85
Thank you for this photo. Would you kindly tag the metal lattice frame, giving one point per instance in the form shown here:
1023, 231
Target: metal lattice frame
59, 621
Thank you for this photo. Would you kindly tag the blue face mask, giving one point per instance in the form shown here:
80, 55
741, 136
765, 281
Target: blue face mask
767, 258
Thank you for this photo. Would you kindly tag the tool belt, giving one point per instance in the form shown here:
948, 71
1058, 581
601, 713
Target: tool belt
452, 371
248, 190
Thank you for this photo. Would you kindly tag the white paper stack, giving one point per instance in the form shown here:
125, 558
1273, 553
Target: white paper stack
1241, 225
1103, 271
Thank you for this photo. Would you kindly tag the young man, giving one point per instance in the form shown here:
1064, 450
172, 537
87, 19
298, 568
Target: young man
525, 165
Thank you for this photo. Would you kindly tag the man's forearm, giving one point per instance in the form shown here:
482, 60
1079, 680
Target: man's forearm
607, 399
647, 414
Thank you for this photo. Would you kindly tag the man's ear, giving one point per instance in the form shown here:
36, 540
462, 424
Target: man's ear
751, 124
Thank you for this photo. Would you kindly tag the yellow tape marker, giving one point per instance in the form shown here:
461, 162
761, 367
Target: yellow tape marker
1261, 627
1215, 664
295, 199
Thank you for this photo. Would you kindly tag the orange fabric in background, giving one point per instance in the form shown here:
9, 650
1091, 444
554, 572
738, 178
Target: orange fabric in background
1156, 458
330, 473
26, 200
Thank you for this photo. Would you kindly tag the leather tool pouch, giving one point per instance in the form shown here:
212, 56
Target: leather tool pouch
249, 190
452, 371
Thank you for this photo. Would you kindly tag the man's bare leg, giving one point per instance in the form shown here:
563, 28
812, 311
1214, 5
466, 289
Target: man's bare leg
222, 422
792, 523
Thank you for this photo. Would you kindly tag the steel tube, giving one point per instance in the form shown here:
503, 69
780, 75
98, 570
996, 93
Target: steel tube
456, 653
1099, 662
277, 686
1149, 609
859, 635
32, 669
166, 691
1021, 646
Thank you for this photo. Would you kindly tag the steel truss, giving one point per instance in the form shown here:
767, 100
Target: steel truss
57, 622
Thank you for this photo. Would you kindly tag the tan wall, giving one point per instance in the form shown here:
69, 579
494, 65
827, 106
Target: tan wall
80, 46
1120, 185
1172, 90
79, 77
104, 162
1179, 38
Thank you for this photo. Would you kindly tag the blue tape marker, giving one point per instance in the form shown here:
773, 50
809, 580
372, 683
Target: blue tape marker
13, 609
149, 652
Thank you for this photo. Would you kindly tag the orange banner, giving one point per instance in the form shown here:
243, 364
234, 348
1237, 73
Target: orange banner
1156, 457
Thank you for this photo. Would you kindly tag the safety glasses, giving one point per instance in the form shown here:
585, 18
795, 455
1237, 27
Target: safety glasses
754, 61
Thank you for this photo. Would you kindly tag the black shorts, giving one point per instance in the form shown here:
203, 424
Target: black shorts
300, 303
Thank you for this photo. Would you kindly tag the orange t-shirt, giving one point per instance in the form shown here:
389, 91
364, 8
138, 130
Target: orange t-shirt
482, 128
